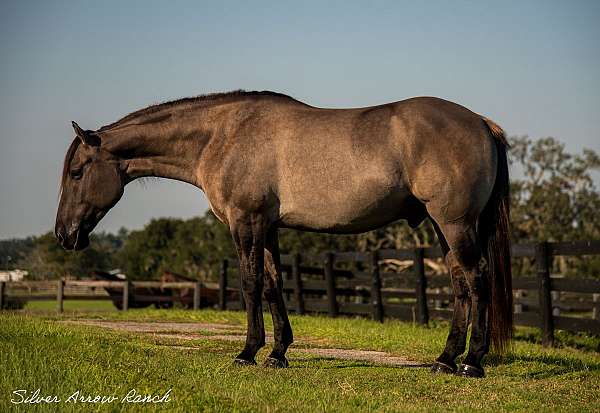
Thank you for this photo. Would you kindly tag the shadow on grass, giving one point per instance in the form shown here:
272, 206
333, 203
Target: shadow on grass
345, 363
557, 364
562, 339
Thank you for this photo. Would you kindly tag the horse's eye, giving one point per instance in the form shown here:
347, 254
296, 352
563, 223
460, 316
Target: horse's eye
76, 174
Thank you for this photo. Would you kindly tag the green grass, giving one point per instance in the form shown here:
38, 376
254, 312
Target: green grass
36, 351
71, 305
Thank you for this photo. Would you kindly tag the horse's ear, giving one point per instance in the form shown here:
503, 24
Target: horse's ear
87, 137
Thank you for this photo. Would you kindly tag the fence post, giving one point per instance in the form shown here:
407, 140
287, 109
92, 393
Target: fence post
125, 306
2, 292
297, 277
59, 295
437, 302
197, 285
517, 305
223, 285
376, 299
542, 261
555, 295
421, 287
330, 280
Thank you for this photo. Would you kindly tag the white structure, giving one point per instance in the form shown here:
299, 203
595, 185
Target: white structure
13, 275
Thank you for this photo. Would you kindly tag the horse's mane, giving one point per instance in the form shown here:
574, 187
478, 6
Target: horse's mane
210, 97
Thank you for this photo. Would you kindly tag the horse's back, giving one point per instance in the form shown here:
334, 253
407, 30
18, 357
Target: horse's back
336, 172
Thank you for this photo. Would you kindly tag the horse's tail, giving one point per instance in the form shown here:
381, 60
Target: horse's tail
494, 236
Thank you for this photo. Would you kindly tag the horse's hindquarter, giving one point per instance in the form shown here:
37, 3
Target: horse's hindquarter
336, 171
448, 155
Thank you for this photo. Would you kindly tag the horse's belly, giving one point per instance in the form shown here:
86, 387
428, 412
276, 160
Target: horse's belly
346, 211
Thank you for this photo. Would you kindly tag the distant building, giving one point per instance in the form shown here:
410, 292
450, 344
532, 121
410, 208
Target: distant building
13, 275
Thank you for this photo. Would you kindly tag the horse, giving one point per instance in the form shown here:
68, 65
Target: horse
266, 161
209, 297
135, 294
184, 295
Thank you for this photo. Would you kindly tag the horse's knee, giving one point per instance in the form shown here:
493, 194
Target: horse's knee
270, 293
252, 283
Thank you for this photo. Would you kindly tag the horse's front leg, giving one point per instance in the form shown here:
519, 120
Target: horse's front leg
249, 236
274, 296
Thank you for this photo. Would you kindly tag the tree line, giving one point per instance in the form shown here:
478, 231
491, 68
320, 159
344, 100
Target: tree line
553, 198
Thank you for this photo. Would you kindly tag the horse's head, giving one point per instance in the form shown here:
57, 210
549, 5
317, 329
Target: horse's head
92, 183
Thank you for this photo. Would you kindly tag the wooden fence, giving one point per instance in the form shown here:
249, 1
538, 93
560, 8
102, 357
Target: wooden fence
14, 293
317, 284
314, 284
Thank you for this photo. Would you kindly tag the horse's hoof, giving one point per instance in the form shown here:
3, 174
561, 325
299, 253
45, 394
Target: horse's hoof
464, 370
239, 362
274, 363
441, 368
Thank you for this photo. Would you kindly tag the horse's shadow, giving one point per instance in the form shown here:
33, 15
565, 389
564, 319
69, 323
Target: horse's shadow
547, 365
558, 361
304, 362
553, 365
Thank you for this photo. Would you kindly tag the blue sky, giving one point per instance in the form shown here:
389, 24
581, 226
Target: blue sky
532, 66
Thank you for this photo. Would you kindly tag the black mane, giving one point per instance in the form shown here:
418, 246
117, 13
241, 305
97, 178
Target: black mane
210, 97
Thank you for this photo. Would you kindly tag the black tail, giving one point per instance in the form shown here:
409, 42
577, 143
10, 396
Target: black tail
494, 235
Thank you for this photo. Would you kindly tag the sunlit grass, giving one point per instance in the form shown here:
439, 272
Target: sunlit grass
70, 306
39, 352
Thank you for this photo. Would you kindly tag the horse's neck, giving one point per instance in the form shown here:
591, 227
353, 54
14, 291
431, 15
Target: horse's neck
164, 148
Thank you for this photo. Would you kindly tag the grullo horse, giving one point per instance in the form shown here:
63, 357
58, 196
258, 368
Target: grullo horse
266, 161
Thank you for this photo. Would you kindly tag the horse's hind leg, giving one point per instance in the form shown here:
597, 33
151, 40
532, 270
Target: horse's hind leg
274, 296
457, 338
462, 241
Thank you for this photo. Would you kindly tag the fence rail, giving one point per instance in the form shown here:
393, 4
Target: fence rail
16, 292
540, 301
313, 284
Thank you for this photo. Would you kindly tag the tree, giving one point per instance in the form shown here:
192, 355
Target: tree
191, 247
12, 251
47, 259
555, 200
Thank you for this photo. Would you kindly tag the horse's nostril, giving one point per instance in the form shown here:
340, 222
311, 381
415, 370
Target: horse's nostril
60, 233
72, 233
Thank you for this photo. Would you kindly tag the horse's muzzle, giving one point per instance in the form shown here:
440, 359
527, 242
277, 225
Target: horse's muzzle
72, 239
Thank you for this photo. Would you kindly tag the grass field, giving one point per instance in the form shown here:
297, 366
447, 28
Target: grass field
37, 350
71, 305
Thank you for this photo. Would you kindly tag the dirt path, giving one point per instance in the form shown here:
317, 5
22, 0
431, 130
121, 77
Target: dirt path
228, 332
